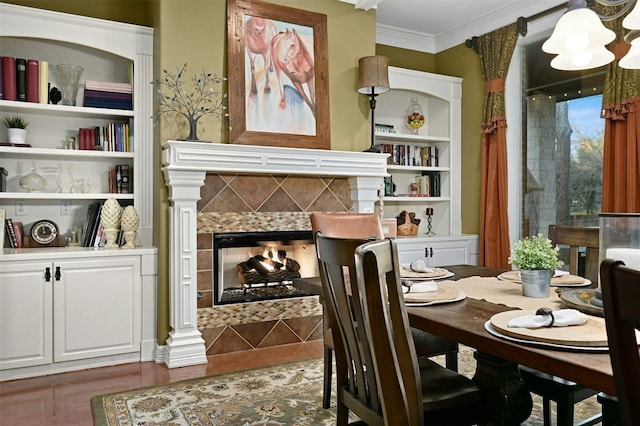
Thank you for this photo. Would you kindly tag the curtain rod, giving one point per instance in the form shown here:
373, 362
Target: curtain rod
522, 22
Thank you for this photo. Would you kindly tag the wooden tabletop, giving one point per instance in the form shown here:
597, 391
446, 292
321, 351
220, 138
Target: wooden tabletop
464, 322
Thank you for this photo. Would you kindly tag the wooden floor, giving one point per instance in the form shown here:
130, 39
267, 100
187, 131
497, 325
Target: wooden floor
63, 399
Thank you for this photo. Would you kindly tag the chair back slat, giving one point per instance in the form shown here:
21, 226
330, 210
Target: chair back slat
387, 325
354, 361
620, 294
576, 237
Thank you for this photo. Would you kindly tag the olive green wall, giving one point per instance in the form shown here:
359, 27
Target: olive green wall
194, 31
459, 61
129, 11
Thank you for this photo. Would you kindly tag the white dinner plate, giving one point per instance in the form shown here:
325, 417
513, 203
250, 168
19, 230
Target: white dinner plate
461, 296
597, 349
514, 276
449, 274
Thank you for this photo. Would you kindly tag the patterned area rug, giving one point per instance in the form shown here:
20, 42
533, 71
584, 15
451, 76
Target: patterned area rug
287, 394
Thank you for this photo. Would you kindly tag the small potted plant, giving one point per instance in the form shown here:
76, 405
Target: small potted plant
537, 260
16, 128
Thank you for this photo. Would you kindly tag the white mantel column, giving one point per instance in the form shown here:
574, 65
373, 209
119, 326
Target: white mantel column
365, 193
185, 345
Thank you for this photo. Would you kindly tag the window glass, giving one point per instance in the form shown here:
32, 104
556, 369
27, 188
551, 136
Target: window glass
562, 144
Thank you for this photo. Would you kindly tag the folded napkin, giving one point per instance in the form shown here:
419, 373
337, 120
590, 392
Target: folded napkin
561, 318
419, 287
417, 266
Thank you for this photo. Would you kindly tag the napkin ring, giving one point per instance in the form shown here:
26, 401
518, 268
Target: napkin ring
546, 311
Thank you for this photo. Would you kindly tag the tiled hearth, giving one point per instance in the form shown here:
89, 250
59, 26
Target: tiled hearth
240, 203
241, 188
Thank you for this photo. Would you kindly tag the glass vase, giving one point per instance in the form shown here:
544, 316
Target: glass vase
415, 116
65, 178
68, 79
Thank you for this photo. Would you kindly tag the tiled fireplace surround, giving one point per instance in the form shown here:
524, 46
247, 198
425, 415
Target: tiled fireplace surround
243, 188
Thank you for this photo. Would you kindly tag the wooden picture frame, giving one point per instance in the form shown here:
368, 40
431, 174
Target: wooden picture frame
291, 107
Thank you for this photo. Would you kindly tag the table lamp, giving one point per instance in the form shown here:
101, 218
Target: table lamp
374, 80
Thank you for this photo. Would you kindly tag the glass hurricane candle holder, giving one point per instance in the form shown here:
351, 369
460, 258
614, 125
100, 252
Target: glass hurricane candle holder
415, 116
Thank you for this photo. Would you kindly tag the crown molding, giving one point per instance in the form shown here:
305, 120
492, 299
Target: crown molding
484, 23
406, 39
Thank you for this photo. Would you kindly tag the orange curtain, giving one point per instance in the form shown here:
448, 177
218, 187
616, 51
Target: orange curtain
495, 50
620, 109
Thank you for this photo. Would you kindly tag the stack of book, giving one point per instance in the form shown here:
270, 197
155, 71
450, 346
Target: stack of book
103, 94
112, 137
25, 80
120, 179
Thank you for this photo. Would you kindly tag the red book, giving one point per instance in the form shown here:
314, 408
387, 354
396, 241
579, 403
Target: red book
33, 80
9, 78
19, 231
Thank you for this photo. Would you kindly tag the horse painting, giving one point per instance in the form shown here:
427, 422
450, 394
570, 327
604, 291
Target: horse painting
258, 35
291, 57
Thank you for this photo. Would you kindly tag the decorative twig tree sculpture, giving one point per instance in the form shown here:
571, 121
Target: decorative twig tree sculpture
193, 102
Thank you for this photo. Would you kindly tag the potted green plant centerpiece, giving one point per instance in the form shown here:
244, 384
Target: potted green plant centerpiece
537, 260
16, 128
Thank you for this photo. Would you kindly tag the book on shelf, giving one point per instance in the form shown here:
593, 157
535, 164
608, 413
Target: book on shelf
384, 128
43, 82
11, 233
19, 231
1, 97
3, 216
33, 80
120, 179
434, 182
93, 214
9, 77
21, 79
102, 94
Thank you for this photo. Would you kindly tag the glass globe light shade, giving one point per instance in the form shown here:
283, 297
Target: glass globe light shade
632, 20
578, 30
632, 59
583, 61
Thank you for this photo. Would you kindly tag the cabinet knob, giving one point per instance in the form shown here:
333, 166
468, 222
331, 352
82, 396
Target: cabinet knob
47, 274
58, 274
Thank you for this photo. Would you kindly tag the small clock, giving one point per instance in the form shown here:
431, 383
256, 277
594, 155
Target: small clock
44, 233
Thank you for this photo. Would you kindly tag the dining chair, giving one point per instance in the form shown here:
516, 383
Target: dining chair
620, 287
367, 226
380, 378
577, 238
566, 393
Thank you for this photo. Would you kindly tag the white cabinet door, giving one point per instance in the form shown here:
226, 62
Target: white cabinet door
461, 250
97, 308
25, 314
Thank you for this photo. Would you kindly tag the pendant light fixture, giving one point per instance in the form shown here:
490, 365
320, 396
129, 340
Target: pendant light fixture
579, 38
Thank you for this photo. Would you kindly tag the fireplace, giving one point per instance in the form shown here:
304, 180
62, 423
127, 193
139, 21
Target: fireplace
253, 266
185, 168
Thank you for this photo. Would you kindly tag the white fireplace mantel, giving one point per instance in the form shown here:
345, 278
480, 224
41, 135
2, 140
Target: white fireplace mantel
185, 165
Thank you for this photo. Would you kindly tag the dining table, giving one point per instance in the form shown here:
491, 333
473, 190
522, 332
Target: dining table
464, 321
497, 358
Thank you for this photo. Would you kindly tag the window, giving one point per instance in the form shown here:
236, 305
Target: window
562, 139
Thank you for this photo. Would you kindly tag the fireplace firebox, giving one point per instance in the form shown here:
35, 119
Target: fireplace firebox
252, 266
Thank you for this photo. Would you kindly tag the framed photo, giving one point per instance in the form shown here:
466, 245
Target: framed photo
278, 76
